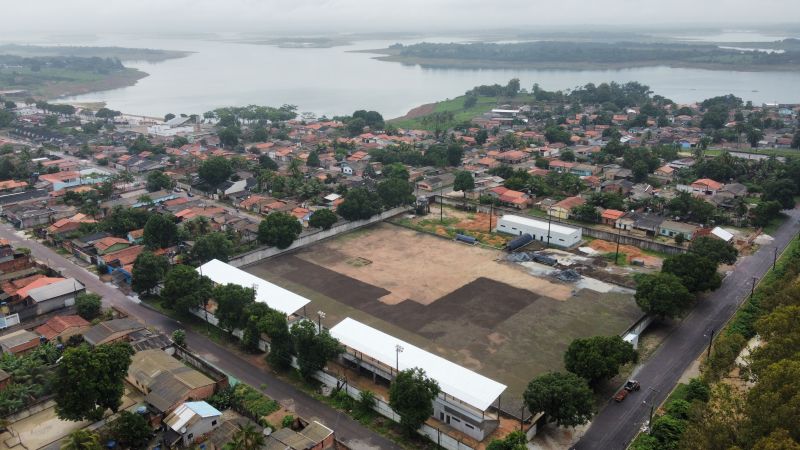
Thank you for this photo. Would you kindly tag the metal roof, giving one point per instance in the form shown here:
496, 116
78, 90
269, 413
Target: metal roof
273, 295
538, 224
54, 290
470, 387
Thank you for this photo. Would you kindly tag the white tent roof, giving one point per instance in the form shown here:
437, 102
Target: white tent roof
722, 233
459, 382
538, 224
274, 296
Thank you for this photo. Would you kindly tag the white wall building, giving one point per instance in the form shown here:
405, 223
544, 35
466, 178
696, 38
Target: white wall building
560, 235
190, 421
465, 396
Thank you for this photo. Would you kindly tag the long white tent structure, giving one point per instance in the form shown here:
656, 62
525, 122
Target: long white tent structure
274, 296
456, 381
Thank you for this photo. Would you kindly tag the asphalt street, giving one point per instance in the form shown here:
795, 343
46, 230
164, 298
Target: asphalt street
617, 423
349, 431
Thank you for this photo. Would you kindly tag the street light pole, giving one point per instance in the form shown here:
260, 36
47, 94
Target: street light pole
710, 340
397, 350
549, 220
775, 258
753, 289
320, 316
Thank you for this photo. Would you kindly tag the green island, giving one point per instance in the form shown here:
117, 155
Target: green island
595, 55
51, 72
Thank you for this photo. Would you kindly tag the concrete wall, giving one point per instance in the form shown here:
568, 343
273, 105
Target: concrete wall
642, 243
259, 254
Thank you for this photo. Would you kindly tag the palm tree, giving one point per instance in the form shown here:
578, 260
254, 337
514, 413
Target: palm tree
81, 440
248, 438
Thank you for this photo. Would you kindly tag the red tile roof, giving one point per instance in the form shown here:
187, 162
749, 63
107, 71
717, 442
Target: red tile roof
59, 324
45, 281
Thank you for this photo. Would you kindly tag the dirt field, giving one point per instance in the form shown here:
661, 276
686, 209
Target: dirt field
630, 252
462, 302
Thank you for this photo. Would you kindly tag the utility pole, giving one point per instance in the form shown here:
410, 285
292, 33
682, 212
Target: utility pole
549, 220
491, 211
441, 205
710, 340
775, 258
753, 289
616, 256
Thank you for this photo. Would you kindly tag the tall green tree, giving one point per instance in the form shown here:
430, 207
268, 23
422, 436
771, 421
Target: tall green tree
598, 358
359, 204
662, 295
148, 271
184, 289
411, 396
314, 349
715, 249
281, 348
130, 430
395, 192
157, 180
232, 300
214, 245
323, 218
91, 380
215, 170
564, 398
88, 305
464, 182
279, 230
160, 231
696, 272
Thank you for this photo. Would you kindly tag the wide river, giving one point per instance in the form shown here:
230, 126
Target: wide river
336, 81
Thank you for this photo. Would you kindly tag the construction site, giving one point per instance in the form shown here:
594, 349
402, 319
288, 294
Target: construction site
507, 320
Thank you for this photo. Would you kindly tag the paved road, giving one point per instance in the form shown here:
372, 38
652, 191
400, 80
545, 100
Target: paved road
617, 424
348, 430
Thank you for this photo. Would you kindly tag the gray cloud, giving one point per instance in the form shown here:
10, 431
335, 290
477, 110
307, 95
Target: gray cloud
313, 16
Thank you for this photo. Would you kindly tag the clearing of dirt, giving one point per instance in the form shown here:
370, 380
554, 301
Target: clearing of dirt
630, 252
419, 111
421, 268
461, 302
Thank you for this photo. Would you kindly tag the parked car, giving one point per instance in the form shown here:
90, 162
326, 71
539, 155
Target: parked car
630, 386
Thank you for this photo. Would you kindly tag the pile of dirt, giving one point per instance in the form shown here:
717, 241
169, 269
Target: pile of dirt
630, 252
478, 222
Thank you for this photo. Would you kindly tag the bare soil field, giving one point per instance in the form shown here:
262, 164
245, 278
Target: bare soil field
462, 302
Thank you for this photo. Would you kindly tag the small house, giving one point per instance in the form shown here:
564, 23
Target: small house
19, 342
189, 422
670, 228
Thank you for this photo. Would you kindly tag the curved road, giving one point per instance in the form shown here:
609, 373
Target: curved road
348, 430
617, 423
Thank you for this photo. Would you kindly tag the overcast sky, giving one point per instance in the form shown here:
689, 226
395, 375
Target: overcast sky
320, 16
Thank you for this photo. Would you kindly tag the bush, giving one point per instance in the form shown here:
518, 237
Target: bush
179, 338
667, 430
678, 409
288, 421
88, 305
697, 390
366, 401
253, 402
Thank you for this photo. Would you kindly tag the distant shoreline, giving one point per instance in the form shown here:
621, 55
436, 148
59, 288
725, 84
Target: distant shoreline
125, 78
445, 63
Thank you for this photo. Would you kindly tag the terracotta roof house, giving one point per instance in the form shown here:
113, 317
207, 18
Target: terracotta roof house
63, 327
559, 166
610, 216
110, 244
563, 209
19, 342
111, 331
706, 186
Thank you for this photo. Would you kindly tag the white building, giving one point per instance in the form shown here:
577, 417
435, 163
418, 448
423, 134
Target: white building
465, 396
190, 421
560, 235
273, 295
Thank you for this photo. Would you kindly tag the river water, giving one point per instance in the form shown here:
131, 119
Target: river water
336, 81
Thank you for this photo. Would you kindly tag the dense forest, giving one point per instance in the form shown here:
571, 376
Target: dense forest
594, 52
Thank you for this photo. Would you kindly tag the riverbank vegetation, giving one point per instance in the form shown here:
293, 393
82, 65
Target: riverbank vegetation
589, 55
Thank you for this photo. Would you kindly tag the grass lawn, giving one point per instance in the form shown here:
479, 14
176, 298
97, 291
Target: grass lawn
775, 223
460, 114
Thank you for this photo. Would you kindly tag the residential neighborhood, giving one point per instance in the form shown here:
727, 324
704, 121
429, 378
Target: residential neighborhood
355, 260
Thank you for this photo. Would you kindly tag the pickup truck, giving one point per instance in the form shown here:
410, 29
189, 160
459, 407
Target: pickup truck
630, 386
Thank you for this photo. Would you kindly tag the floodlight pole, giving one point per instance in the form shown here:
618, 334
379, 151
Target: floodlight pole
397, 350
